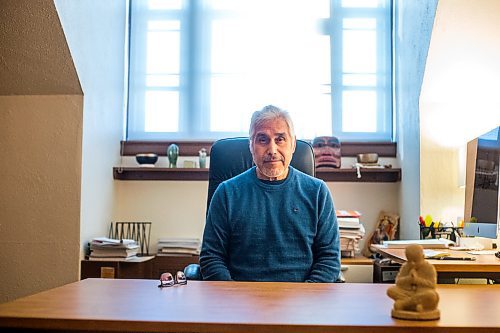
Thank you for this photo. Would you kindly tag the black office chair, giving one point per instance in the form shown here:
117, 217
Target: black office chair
230, 157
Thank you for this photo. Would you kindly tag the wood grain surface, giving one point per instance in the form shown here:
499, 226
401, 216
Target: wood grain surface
200, 306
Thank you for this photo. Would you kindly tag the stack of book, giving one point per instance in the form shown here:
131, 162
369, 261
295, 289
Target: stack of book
103, 248
179, 246
351, 231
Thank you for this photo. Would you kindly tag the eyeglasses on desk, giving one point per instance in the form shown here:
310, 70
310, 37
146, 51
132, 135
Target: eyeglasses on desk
167, 280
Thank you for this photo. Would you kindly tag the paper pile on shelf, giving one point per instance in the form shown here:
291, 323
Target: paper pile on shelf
179, 246
351, 231
103, 248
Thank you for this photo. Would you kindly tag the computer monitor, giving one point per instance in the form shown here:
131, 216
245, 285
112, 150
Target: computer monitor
482, 197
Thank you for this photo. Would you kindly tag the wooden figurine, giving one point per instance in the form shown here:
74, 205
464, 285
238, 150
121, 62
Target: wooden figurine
327, 152
385, 230
415, 290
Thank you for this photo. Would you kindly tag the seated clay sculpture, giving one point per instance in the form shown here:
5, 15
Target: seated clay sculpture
415, 290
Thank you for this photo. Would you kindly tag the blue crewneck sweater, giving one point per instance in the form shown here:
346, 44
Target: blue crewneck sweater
266, 232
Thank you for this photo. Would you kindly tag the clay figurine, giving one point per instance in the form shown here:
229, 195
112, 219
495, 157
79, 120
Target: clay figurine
415, 290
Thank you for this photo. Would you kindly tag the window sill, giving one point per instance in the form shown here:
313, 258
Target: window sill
389, 175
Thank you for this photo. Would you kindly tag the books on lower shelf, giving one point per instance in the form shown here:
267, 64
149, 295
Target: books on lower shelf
129, 259
348, 222
107, 248
347, 213
111, 242
351, 231
179, 246
349, 240
115, 252
178, 250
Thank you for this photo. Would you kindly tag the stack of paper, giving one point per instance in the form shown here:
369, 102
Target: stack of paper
103, 248
430, 243
351, 231
433, 254
179, 246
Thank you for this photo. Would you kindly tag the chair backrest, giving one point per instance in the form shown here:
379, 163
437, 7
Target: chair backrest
230, 157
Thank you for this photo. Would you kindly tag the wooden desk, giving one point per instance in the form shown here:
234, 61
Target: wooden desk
485, 265
358, 260
200, 306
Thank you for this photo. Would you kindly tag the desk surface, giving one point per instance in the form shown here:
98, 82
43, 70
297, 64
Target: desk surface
484, 263
200, 306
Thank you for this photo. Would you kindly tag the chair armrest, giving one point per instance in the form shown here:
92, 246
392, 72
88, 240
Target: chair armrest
193, 272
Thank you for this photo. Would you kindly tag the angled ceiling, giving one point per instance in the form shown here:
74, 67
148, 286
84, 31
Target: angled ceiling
34, 56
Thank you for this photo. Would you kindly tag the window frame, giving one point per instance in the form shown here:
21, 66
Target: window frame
192, 111
384, 119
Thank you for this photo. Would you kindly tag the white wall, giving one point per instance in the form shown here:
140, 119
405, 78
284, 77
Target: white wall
95, 30
175, 208
460, 97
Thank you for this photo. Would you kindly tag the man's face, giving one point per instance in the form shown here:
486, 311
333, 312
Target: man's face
272, 148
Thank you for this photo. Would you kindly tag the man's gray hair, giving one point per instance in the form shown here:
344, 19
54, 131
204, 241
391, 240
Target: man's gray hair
270, 112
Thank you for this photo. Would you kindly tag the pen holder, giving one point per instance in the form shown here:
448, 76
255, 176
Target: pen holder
427, 232
451, 233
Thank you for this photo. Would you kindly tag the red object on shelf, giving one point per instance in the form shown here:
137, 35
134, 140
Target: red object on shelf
421, 221
347, 213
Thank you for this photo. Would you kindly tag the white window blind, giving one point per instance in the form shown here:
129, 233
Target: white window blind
199, 68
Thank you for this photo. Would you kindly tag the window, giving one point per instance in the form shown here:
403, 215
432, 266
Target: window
199, 68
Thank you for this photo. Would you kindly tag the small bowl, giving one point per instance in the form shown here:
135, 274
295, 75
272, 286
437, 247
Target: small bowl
367, 158
146, 159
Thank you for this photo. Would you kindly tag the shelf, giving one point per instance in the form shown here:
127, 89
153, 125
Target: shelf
154, 173
389, 175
